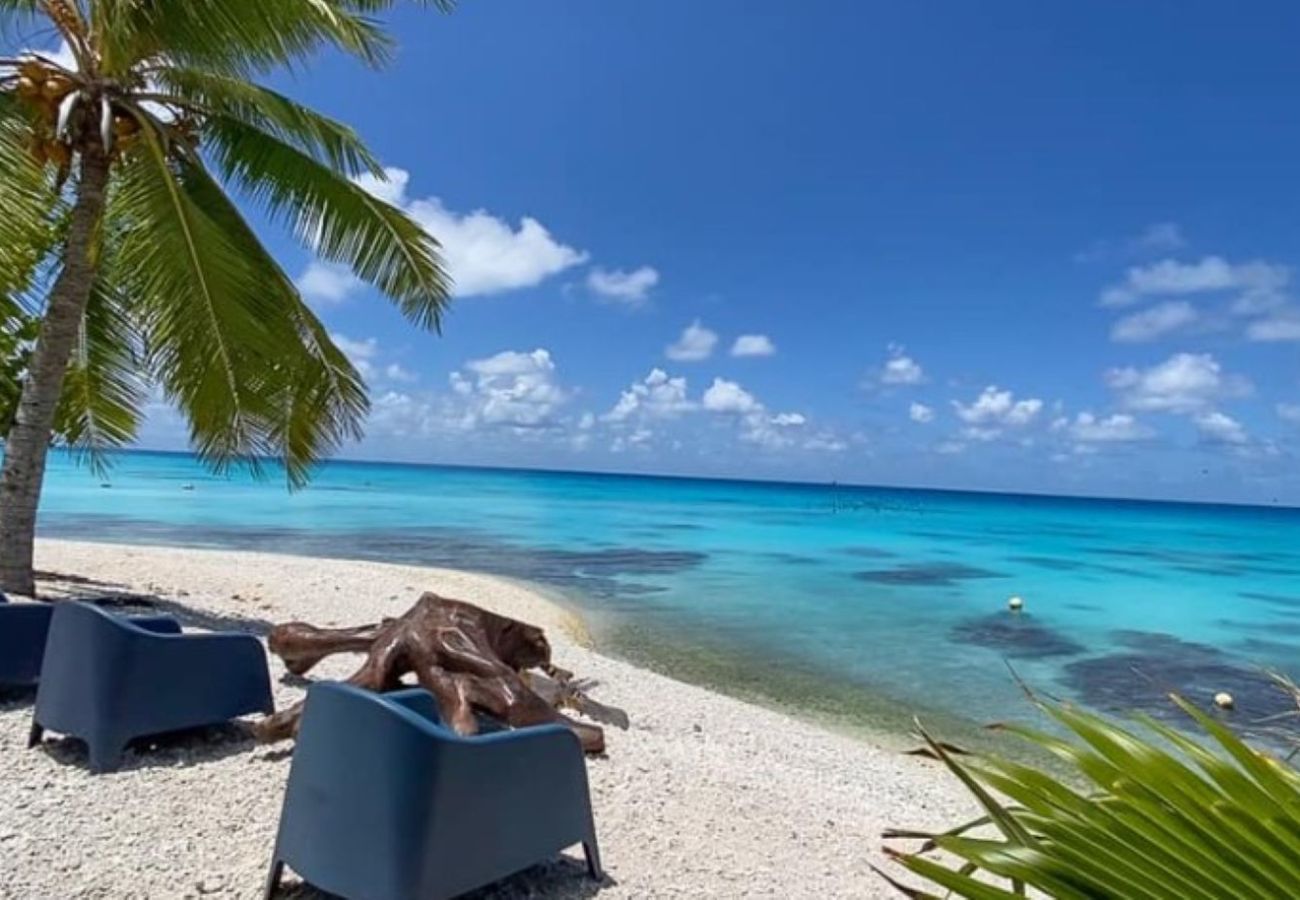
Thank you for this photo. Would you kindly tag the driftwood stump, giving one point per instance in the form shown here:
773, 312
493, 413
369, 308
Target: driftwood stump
470, 659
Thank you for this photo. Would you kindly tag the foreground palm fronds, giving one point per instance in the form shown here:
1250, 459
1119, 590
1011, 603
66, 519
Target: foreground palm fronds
1165, 816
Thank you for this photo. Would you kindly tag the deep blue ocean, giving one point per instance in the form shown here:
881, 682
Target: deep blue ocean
867, 604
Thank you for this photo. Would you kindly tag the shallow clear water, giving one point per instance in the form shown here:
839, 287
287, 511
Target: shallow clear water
867, 603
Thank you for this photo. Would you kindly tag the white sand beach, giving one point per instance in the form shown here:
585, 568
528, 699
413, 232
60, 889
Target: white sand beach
704, 796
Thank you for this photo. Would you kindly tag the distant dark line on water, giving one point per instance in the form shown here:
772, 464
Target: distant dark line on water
1286, 509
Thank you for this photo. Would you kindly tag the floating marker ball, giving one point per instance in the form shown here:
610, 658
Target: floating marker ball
1224, 700
1015, 604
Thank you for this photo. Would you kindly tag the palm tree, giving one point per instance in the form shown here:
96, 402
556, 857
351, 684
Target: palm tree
117, 230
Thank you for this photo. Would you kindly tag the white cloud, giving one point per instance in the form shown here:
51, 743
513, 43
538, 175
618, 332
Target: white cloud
901, 368
1283, 327
395, 372
695, 344
656, 396
919, 412
1289, 412
1116, 428
391, 188
1158, 321
1218, 428
513, 389
1160, 236
995, 407
757, 425
729, 397
1184, 383
361, 353
484, 254
1256, 280
327, 283
753, 345
629, 288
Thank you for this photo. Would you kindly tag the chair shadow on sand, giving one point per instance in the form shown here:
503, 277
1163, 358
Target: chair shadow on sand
564, 879
116, 596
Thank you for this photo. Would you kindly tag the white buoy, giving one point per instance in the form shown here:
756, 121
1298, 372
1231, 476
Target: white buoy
1015, 604
1223, 700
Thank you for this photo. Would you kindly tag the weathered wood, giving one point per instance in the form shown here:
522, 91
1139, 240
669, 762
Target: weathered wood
471, 660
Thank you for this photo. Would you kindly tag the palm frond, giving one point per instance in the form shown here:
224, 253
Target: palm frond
28, 202
103, 393
326, 140
335, 218
234, 36
203, 307
1196, 821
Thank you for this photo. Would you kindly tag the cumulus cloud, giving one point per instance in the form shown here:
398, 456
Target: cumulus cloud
919, 412
327, 283
1289, 412
484, 254
757, 425
695, 344
513, 389
753, 345
1158, 321
729, 397
395, 372
1282, 327
361, 353
627, 288
1159, 237
994, 408
1257, 280
1184, 383
900, 368
1116, 428
656, 396
1218, 428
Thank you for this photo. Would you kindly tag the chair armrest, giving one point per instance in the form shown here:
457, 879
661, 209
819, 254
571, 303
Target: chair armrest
156, 624
418, 701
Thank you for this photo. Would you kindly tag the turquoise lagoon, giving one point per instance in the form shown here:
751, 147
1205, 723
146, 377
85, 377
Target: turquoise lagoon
863, 603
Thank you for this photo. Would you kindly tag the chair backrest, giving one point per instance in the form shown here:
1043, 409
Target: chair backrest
84, 640
360, 791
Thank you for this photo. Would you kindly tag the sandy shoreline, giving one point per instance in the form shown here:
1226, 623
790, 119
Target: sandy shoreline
705, 796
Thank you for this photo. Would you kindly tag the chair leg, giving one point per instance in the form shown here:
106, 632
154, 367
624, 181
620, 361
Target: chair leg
273, 877
592, 853
37, 732
105, 758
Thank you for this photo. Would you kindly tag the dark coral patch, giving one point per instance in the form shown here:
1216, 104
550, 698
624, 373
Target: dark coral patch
1274, 599
1140, 677
869, 552
934, 574
1018, 636
1053, 563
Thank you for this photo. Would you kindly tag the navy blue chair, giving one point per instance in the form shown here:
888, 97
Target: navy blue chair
107, 680
385, 803
24, 628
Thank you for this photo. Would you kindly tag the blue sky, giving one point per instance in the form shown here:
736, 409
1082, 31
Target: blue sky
1007, 246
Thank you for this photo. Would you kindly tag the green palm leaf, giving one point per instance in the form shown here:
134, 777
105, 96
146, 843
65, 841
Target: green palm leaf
335, 218
1202, 822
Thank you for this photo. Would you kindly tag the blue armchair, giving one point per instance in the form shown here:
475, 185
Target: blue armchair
24, 628
385, 803
108, 680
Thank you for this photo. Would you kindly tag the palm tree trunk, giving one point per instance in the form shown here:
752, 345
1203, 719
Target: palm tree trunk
28, 441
